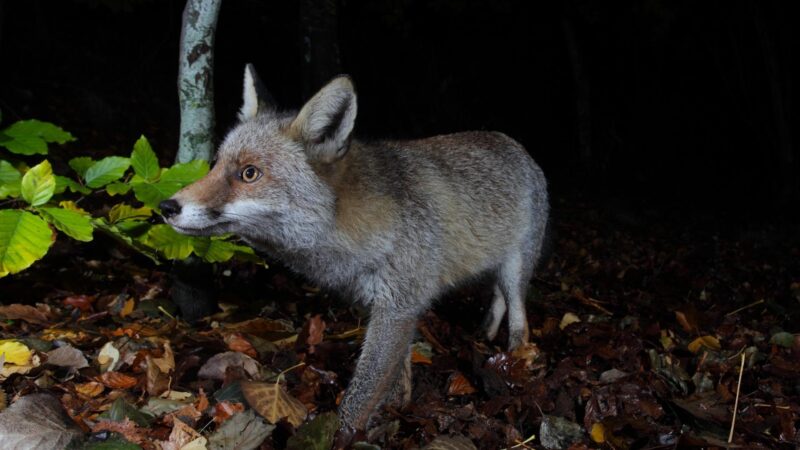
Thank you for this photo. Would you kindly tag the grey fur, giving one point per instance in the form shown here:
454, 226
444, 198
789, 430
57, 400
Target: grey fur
393, 224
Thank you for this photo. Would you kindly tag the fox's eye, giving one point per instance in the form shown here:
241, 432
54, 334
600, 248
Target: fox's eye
250, 174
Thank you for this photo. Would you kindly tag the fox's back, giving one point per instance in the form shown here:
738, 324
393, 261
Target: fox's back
460, 199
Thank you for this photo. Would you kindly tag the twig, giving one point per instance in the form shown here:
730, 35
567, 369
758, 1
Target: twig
736, 403
745, 307
164, 311
523, 443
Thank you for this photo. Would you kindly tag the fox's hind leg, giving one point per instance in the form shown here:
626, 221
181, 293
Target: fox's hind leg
494, 316
512, 279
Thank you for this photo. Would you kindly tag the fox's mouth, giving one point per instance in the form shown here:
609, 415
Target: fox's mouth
198, 231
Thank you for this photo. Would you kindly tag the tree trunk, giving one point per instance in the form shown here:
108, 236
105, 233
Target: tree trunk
583, 110
196, 80
319, 28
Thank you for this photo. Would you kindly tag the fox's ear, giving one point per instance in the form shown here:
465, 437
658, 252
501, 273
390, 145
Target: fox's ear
325, 122
256, 98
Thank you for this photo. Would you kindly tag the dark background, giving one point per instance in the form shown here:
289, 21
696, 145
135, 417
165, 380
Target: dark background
678, 105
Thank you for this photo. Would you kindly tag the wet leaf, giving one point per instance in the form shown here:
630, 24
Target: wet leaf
25, 312
450, 443
459, 385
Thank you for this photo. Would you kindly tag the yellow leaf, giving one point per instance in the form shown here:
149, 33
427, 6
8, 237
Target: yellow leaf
15, 352
709, 342
127, 308
598, 433
273, 403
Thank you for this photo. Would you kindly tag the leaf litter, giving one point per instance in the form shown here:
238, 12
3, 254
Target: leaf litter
638, 331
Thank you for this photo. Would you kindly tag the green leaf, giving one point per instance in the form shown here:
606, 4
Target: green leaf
24, 239
122, 211
186, 173
10, 180
121, 409
108, 169
38, 184
118, 188
315, 435
169, 242
144, 160
783, 339
124, 237
28, 137
64, 183
74, 224
151, 194
81, 164
216, 250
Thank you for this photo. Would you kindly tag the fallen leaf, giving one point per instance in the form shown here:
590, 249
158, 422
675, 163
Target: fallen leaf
598, 433
243, 431
273, 403
67, 356
127, 307
557, 432
15, 352
224, 410
127, 428
315, 435
709, 342
568, 319
316, 328
117, 380
108, 357
458, 384
216, 366
91, 389
37, 422
421, 353
28, 313
166, 363
450, 443
183, 437
80, 302
237, 343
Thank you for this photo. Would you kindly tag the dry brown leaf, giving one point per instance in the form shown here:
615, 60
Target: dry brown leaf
217, 365
117, 380
316, 328
36, 315
91, 389
81, 302
458, 384
225, 409
237, 343
157, 381
273, 403
166, 363
181, 437
127, 428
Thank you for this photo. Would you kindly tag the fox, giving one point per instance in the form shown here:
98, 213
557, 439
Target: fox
393, 224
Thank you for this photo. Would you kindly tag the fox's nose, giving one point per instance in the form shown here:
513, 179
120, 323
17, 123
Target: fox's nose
169, 208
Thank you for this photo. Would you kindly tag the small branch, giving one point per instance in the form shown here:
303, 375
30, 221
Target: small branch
745, 307
736, 403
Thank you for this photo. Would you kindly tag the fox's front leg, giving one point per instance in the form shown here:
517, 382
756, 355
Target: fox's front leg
385, 349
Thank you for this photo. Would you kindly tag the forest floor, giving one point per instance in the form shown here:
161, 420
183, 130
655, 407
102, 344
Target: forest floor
639, 322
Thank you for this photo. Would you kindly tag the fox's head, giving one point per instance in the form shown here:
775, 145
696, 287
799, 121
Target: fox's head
263, 186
